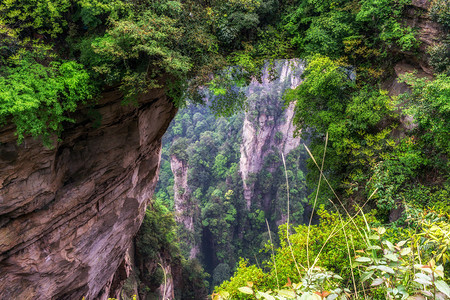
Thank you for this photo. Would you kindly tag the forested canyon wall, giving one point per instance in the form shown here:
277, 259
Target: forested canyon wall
68, 214
267, 125
224, 176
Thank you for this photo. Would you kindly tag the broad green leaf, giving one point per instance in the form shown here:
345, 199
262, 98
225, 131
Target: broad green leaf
439, 271
424, 276
246, 290
374, 237
441, 296
422, 281
287, 293
405, 251
366, 275
424, 268
417, 297
442, 286
427, 293
377, 281
265, 295
386, 269
391, 256
374, 247
309, 296
363, 259
224, 294
401, 243
389, 244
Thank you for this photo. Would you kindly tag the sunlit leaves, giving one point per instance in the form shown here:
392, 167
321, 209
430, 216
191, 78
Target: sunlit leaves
38, 97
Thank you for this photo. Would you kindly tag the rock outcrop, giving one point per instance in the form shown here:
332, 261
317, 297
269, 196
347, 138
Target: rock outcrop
68, 214
185, 210
266, 124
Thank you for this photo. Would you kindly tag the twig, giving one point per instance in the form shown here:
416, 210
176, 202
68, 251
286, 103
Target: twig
273, 253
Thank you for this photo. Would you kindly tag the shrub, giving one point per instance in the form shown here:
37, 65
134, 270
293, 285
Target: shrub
440, 12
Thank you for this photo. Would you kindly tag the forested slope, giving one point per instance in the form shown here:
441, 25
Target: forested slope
206, 170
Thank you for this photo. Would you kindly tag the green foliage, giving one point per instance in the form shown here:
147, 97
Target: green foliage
137, 45
429, 104
440, 56
323, 28
38, 97
327, 249
157, 244
244, 274
440, 12
146, 37
212, 148
359, 122
397, 270
221, 273
219, 166
329, 102
178, 149
391, 266
46, 17
157, 233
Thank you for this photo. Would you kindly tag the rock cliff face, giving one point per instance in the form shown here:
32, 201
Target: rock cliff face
185, 210
267, 125
428, 33
68, 214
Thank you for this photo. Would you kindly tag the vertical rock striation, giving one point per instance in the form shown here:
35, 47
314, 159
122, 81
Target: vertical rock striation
266, 124
185, 210
68, 214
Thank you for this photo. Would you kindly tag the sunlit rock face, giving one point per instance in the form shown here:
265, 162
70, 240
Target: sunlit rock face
266, 123
68, 214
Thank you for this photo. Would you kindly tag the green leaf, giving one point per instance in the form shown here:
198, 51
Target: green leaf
287, 293
405, 251
401, 243
386, 269
390, 245
422, 279
442, 286
309, 296
363, 259
375, 247
366, 275
246, 290
391, 256
377, 281
265, 295
224, 294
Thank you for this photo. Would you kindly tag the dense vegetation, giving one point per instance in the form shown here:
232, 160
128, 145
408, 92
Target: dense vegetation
58, 54
364, 154
210, 147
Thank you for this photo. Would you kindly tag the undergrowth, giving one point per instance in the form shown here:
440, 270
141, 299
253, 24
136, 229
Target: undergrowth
350, 255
